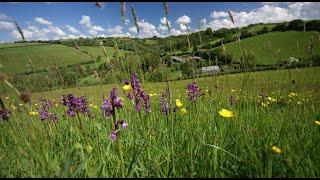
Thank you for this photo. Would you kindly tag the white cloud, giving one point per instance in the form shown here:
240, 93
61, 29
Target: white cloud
6, 25
115, 30
35, 33
4, 17
57, 31
120, 35
146, 30
97, 28
163, 25
203, 22
266, 14
72, 29
220, 14
126, 21
133, 29
85, 21
175, 32
43, 21
92, 30
183, 20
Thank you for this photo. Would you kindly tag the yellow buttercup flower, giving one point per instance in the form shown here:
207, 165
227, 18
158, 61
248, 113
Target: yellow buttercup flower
77, 146
183, 110
127, 87
13, 107
89, 149
178, 103
272, 99
276, 149
317, 123
292, 94
227, 114
33, 113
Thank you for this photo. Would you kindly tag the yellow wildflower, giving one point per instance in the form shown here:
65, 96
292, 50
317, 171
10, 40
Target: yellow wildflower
292, 94
227, 114
36, 104
20, 104
33, 113
299, 103
264, 104
317, 123
90, 105
13, 107
127, 87
276, 149
77, 146
183, 110
272, 99
56, 104
155, 94
150, 95
178, 103
96, 107
89, 149
232, 90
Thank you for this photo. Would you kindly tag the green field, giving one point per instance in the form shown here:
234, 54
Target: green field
43, 56
200, 143
6, 45
286, 42
261, 80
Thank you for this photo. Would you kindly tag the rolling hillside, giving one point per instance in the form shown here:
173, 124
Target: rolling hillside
16, 59
283, 42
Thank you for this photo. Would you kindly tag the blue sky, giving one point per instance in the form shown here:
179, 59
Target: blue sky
70, 20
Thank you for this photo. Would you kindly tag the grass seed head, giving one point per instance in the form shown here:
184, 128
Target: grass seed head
3, 76
25, 96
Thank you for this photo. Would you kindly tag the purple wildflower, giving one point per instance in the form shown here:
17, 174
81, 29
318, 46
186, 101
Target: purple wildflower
164, 103
5, 114
124, 124
107, 108
45, 106
112, 103
138, 95
114, 134
147, 104
193, 91
75, 104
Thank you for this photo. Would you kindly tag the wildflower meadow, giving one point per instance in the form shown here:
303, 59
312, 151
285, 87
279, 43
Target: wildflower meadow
144, 109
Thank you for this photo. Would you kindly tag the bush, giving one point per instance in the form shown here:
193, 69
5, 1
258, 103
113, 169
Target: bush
313, 25
280, 27
296, 25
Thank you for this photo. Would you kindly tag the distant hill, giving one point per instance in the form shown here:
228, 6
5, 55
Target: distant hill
283, 42
16, 58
